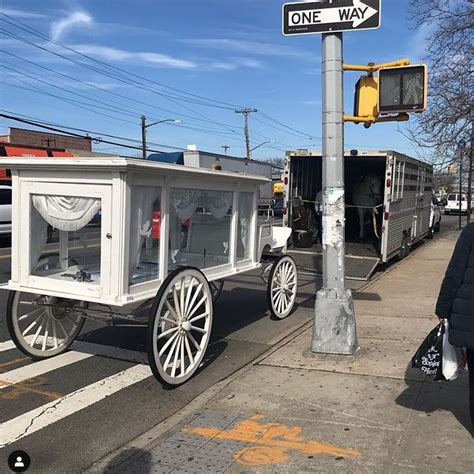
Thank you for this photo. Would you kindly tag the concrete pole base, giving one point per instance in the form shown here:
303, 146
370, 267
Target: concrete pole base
334, 330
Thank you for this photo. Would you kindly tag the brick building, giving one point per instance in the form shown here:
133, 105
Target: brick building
32, 138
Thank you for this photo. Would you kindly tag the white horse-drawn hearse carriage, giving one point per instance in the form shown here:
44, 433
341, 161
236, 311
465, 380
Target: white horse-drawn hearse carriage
106, 238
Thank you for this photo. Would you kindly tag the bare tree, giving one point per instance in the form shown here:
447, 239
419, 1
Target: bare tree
277, 162
447, 123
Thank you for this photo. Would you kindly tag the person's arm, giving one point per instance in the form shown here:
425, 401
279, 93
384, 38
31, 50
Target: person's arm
455, 273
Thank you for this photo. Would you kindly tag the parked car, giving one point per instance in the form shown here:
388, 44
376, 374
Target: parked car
452, 207
5, 210
435, 218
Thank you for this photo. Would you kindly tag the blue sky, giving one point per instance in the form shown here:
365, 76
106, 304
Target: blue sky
228, 50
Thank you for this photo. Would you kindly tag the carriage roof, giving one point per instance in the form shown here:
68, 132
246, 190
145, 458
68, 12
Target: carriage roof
117, 163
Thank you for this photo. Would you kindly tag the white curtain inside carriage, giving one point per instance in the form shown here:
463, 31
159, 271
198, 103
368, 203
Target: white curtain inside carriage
245, 218
202, 233
186, 201
65, 213
143, 202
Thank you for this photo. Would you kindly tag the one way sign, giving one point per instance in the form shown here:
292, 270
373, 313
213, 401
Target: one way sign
305, 18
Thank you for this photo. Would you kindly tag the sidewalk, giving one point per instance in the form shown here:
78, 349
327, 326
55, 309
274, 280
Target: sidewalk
293, 411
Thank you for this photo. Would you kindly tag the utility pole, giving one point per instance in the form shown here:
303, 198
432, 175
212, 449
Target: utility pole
334, 330
246, 113
143, 137
226, 147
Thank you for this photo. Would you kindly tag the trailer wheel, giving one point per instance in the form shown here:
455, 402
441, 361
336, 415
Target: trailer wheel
282, 286
179, 327
43, 326
437, 226
430, 234
405, 248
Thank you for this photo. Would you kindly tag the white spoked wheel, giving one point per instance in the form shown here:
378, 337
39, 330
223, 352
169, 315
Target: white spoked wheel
216, 289
43, 326
180, 324
282, 287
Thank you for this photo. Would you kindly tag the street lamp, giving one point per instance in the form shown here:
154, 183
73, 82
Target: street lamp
261, 144
145, 126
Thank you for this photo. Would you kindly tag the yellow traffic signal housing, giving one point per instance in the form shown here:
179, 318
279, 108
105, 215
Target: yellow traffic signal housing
452, 169
402, 89
366, 97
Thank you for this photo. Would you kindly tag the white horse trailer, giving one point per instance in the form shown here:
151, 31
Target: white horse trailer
382, 222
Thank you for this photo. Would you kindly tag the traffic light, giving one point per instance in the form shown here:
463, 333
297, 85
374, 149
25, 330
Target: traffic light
365, 98
402, 89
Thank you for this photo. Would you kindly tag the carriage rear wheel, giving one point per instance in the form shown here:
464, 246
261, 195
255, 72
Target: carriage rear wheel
282, 286
43, 326
179, 327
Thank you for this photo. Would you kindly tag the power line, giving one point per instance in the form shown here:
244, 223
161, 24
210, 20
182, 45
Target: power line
120, 79
56, 129
37, 33
122, 72
141, 103
44, 122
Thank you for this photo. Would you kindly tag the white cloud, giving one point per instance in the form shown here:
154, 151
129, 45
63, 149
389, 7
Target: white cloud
73, 20
254, 47
235, 63
114, 54
21, 13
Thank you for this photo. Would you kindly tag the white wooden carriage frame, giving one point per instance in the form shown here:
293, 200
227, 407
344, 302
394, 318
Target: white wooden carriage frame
112, 187
111, 180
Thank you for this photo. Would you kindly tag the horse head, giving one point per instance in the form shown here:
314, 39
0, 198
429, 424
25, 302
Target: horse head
374, 185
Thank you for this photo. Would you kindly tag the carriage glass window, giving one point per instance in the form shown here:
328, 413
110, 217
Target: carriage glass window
145, 225
244, 226
199, 227
65, 238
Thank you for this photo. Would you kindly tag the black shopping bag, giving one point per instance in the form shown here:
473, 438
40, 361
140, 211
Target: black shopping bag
429, 356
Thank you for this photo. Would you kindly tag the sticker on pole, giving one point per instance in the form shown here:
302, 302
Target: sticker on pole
306, 18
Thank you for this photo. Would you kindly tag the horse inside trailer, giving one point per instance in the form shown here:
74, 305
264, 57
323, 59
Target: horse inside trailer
364, 193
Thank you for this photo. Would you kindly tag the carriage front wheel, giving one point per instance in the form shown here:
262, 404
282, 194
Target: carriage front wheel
282, 286
179, 327
43, 326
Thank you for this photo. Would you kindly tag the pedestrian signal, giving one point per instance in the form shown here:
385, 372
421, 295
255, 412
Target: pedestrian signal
403, 89
365, 98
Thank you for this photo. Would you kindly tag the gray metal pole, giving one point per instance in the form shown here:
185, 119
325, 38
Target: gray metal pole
334, 329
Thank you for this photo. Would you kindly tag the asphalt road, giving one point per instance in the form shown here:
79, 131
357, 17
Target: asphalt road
68, 413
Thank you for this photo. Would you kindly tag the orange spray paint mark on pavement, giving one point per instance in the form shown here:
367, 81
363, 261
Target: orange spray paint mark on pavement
273, 442
9, 363
19, 389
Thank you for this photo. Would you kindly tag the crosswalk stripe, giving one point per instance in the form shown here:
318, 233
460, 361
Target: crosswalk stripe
95, 349
41, 417
110, 351
6, 346
41, 367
